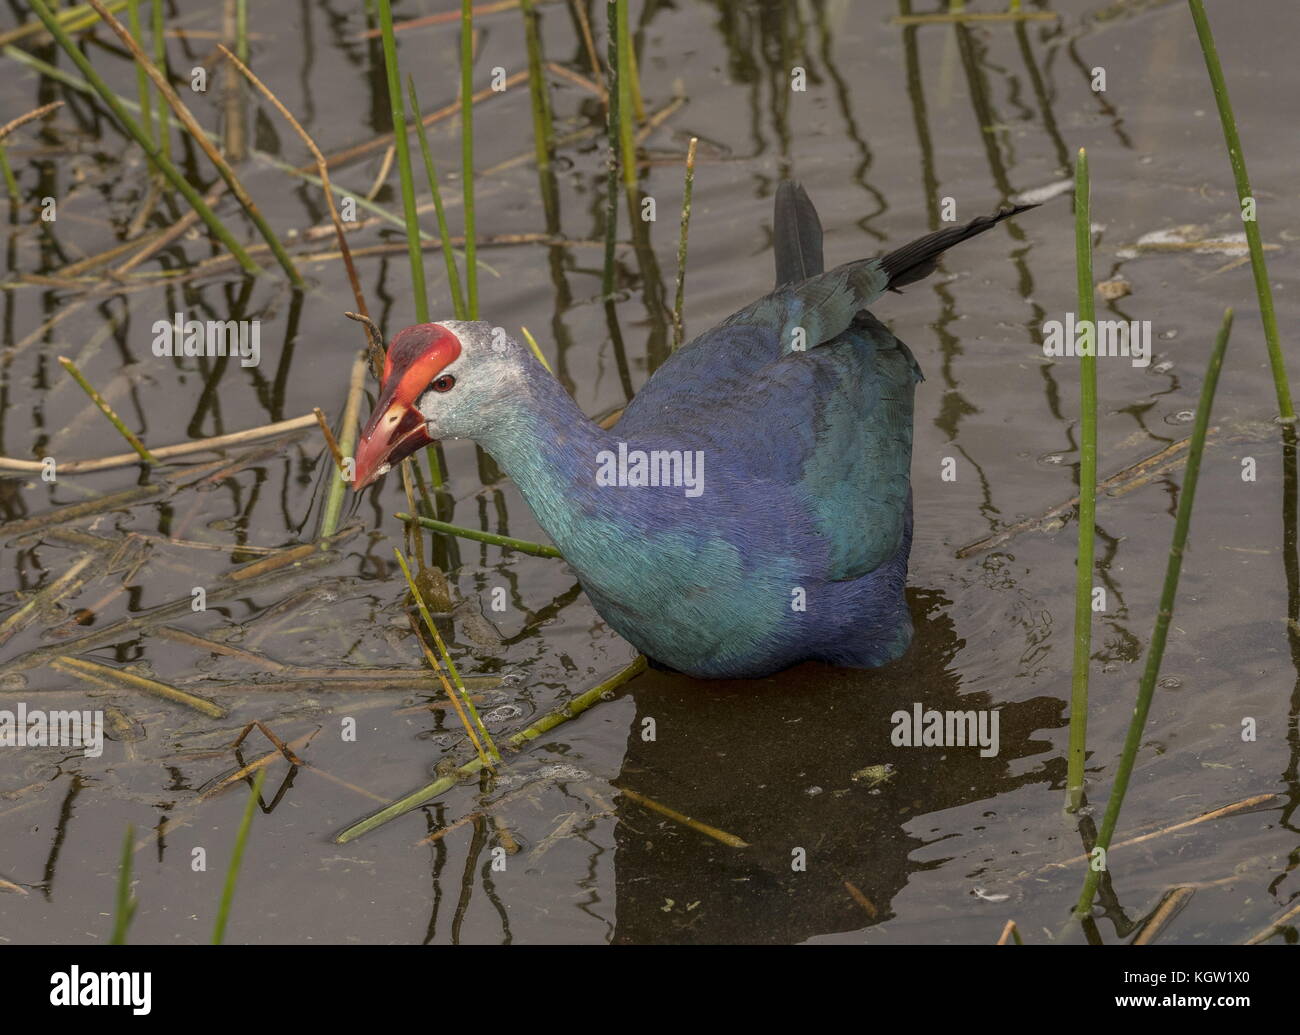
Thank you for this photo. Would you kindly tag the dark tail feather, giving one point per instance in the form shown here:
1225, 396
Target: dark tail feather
917, 260
796, 235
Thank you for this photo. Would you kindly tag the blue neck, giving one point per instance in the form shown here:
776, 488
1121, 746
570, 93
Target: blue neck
548, 447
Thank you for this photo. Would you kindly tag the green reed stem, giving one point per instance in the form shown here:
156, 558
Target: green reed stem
1237, 157
169, 97
678, 328
141, 77
543, 127
11, 182
627, 147
236, 858
467, 151
491, 538
453, 275
160, 160
1156, 650
124, 909
160, 58
466, 701
241, 30
572, 708
107, 411
1083, 572
404, 162
611, 180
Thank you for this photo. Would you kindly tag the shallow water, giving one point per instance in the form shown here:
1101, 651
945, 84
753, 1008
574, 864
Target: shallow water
942, 845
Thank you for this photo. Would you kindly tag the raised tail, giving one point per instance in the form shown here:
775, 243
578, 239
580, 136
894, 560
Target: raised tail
796, 235
915, 261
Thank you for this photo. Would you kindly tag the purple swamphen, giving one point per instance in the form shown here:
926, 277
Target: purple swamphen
753, 506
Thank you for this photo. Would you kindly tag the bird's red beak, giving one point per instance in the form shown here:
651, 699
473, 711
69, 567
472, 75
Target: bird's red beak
396, 427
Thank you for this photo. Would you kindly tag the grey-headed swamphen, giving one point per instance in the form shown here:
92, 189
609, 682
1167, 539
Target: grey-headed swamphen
753, 506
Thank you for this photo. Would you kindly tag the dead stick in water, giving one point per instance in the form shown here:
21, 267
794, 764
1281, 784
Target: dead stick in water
1117, 484
116, 679
106, 463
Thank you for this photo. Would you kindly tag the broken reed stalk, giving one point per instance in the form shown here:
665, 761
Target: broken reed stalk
431, 171
537, 350
160, 56
331, 443
125, 905
235, 438
236, 858
403, 145
570, 709
681, 244
201, 138
1245, 198
30, 116
1084, 558
132, 127
467, 152
141, 76
1156, 649
321, 168
120, 679
6, 171
329, 522
460, 697
107, 411
491, 538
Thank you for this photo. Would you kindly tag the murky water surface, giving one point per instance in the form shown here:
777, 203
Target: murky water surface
901, 844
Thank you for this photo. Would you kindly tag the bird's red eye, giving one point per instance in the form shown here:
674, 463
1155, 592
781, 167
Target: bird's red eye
444, 383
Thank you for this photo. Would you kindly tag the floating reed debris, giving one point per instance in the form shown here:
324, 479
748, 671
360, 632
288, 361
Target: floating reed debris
398, 109
198, 134
108, 411
1247, 201
478, 733
125, 906
731, 840
1009, 934
51, 594
467, 153
573, 707
1156, 649
681, 243
117, 679
1084, 563
236, 857
1162, 916
491, 538
444, 235
160, 160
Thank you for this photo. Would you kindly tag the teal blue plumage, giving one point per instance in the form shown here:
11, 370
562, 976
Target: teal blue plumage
797, 548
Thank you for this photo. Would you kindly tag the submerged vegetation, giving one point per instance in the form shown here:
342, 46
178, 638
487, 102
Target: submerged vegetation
261, 631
